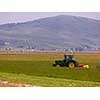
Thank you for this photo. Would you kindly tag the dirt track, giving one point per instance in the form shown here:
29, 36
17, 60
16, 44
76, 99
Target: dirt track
12, 84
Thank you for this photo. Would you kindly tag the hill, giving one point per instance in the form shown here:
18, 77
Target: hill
58, 32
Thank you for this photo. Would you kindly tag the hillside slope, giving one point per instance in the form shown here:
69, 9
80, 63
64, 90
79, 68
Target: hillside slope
56, 32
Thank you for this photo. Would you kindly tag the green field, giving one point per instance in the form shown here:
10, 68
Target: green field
39, 65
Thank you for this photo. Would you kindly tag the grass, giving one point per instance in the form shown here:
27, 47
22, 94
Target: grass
44, 68
46, 81
38, 66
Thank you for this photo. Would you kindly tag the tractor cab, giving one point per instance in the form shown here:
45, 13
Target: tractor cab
68, 57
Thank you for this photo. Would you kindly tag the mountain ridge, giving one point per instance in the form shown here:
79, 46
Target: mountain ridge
58, 32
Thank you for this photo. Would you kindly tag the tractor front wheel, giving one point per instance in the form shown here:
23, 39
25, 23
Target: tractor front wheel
54, 65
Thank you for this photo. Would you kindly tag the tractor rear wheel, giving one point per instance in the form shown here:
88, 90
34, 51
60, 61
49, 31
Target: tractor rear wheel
72, 64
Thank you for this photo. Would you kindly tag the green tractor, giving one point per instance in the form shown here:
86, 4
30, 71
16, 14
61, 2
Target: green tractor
68, 61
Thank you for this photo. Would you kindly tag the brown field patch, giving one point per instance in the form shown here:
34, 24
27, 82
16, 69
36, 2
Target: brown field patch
47, 52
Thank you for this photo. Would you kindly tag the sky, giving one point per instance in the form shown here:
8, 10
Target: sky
15, 17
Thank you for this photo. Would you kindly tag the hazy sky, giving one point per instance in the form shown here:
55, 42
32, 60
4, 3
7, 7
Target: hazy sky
14, 17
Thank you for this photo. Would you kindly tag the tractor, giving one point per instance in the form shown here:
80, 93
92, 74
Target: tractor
68, 61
